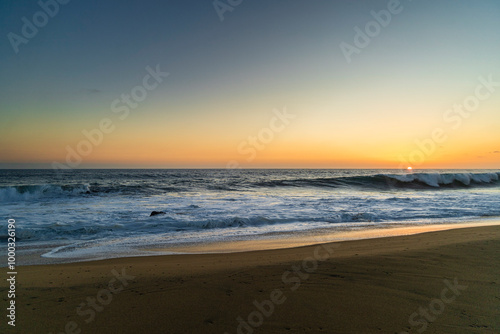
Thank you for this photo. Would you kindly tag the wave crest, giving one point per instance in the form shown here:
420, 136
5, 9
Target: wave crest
390, 181
30, 192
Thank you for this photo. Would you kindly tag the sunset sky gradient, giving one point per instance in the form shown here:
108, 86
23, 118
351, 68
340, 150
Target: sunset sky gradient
226, 78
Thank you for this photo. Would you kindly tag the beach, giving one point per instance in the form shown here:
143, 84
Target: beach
246, 167
96, 214
434, 282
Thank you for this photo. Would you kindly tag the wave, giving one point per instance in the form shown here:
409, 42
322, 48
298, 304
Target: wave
243, 222
140, 223
34, 192
162, 186
391, 181
164, 224
30, 192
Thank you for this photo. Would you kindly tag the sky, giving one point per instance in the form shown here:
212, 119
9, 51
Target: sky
250, 84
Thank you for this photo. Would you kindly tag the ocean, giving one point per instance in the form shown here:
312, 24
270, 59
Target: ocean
72, 215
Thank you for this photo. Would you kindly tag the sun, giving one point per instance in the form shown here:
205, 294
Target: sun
409, 168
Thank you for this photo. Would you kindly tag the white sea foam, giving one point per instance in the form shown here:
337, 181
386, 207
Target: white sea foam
33, 192
437, 179
104, 213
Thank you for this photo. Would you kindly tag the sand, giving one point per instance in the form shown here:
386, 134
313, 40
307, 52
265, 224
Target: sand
435, 282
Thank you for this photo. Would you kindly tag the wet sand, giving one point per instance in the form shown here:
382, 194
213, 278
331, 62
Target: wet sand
437, 282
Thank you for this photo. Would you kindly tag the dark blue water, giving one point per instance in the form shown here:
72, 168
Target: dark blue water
108, 211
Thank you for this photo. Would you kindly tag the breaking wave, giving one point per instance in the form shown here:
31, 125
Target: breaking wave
388, 181
30, 192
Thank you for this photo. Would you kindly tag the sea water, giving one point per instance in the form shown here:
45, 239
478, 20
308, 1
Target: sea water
95, 214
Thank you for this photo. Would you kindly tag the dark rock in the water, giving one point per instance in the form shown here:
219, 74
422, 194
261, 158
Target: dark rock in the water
155, 213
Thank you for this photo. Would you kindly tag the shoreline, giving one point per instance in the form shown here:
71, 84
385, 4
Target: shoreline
273, 241
315, 237
367, 286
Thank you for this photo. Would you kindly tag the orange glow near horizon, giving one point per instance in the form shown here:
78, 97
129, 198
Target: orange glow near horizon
182, 90
312, 139
150, 149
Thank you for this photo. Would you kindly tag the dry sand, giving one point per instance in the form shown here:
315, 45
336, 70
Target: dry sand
364, 286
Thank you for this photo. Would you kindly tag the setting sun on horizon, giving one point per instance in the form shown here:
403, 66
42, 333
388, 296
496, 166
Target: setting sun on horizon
246, 166
419, 95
